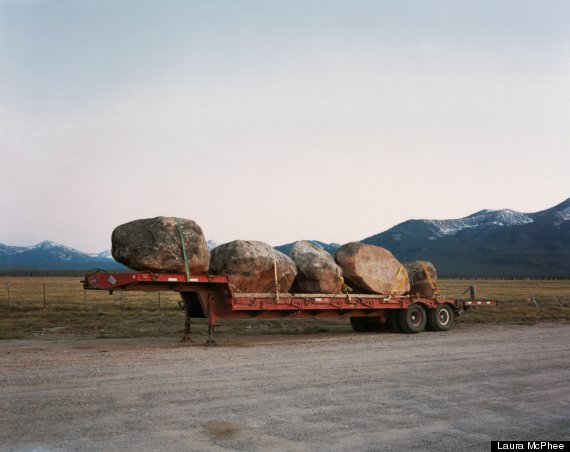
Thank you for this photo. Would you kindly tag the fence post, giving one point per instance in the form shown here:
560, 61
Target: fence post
9, 295
85, 296
159, 300
44, 284
122, 303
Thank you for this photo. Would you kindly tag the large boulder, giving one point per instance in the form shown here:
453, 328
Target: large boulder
419, 281
372, 269
317, 272
155, 244
250, 268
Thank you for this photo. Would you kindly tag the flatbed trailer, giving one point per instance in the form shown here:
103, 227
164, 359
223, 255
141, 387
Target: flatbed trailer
212, 297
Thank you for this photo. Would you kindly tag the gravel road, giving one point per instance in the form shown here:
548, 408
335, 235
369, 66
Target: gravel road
432, 391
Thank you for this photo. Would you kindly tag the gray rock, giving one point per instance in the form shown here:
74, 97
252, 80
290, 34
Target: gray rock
249, 266
317, 272
154, 244
372, 269
419, 282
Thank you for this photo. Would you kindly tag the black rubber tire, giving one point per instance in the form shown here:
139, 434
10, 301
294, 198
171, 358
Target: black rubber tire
412, 320
366, 324
357, 324
430, 326
430, 320
373, 324
440, 318
393, 323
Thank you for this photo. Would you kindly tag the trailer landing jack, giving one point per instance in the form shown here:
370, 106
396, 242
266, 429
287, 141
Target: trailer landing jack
186, 308
210, 342
186, 337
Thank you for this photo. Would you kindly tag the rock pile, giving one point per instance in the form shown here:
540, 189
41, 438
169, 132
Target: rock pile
155, 244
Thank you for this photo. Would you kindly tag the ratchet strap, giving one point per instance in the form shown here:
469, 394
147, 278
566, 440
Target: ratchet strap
401, 278
183, 250
429, 278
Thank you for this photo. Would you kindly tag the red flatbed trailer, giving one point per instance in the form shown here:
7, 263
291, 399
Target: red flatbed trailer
212, 297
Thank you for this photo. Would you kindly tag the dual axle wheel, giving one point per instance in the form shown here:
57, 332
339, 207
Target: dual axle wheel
411, 320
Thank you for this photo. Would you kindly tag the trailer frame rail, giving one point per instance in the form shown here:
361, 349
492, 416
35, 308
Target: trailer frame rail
213, 297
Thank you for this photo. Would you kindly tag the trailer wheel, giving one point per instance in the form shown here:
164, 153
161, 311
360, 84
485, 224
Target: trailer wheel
357, 324
366, 324
413, 319
440, 318
393, 322
373, 324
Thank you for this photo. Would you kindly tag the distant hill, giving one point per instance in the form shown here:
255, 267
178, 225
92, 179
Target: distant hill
488, 243
53, 256
328, 247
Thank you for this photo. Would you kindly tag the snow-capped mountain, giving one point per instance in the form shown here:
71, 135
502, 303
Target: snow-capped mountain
483, 218
103, 254
58, 251
48, 255
487, 243
6, 250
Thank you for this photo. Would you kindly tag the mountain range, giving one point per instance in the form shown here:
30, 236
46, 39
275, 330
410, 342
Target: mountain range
488, 243
48, 255
497, 243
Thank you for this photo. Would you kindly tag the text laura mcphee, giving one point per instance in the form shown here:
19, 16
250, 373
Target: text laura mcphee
529, 445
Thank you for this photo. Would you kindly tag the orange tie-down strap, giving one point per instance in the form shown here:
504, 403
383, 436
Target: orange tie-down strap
401, 278
428, 276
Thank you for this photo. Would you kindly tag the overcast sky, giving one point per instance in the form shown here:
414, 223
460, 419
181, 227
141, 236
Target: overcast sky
278, 120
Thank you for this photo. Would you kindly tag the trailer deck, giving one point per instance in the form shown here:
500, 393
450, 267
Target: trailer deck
212, 297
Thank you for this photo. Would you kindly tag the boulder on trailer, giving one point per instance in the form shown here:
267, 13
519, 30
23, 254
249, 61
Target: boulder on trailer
251, 266
423, 278
317, 272
372, 269
155, 244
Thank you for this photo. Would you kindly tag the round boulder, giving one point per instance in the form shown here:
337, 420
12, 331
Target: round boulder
155, 244
372, 269
250, 267
317, 272
419, 282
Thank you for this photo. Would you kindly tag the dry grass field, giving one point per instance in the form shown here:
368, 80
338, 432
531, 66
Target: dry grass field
69, 310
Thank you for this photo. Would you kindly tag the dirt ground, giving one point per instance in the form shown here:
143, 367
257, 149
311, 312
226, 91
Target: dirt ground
432, 391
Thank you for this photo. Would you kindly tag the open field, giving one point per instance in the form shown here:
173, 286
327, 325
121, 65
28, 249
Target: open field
433, 391
71, 311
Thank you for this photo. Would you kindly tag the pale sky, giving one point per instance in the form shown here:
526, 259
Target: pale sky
278, 120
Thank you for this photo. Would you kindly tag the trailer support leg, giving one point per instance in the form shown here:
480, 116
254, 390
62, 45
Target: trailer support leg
211, 321
186, 338
210, 342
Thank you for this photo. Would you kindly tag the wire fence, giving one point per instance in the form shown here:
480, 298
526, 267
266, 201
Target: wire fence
43, 293
66, 293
